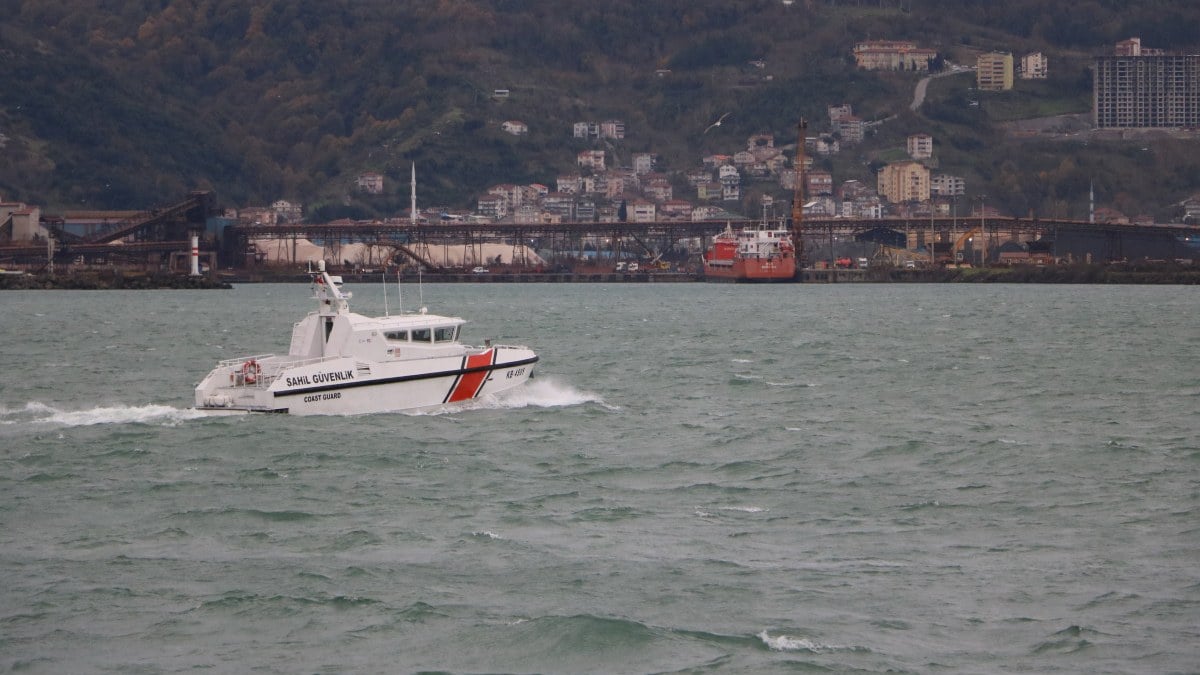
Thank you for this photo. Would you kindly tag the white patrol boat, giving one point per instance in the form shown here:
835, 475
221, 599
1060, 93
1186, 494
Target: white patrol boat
342, 363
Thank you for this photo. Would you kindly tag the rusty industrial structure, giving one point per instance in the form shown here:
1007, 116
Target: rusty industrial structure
159, 237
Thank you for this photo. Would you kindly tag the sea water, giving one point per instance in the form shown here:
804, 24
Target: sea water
700, 478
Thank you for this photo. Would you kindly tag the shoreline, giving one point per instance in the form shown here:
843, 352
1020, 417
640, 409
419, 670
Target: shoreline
1156, 273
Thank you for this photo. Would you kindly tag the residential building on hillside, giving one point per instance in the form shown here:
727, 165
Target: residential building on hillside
707, 192
513, 195
826, 145
697, 176
515, 127
591, 159
560, 204
492, 206
528, 213
643, 162
676, 209
787, 179
839, 112
1145, 88
659, 189
994, 71
585, 210
818, 183
945, 185
570, 183
614, 129
1034, 66
904, 182
586, 130
850, 128
370, 183
1133, 47
892, 55
287, 212
920, 146
642, 211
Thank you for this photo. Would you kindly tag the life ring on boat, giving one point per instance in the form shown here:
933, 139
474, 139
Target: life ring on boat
250, 371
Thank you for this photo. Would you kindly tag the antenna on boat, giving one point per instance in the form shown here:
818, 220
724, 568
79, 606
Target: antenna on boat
384, 278
420, 290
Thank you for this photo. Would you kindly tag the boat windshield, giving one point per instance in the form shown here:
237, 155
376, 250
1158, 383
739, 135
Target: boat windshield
445, 333
396, 335
421, 335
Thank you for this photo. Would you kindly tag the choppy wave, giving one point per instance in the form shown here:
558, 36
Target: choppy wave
35, 412
790, 643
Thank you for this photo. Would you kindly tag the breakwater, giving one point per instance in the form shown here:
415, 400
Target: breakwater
107, 280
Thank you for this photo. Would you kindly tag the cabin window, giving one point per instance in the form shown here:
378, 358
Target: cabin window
396, 335
444, 333
421, 335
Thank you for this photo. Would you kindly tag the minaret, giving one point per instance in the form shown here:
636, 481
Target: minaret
413, 213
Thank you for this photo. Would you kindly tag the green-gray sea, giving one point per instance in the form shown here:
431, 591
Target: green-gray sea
700, 478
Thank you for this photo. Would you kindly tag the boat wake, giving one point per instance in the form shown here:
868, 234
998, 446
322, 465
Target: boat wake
35, 412
543, 392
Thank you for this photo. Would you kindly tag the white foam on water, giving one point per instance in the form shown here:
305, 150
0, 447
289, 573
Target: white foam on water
543, 392
743, 509
788, 643
36, 412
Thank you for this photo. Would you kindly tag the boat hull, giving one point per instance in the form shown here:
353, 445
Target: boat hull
744, 270
342, 386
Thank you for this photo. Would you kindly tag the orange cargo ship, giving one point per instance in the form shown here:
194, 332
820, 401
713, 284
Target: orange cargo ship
751, 254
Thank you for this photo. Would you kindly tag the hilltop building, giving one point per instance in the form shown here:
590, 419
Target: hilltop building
994, 71
892, 55
1139, 87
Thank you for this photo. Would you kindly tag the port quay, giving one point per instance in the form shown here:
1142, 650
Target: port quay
584, 251
564, 245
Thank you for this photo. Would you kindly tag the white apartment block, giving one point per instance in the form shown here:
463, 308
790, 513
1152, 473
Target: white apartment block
920, 146
1034, 66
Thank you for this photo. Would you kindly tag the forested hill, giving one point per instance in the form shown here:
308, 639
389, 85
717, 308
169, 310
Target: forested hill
130, 103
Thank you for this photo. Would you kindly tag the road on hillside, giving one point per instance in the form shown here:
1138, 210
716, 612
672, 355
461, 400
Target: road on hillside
923, 85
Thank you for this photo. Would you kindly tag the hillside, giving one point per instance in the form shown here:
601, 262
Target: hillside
131, 103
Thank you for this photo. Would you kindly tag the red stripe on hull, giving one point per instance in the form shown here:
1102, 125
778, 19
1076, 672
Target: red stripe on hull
469, 384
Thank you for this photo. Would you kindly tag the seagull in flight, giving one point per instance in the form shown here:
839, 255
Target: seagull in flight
717, 123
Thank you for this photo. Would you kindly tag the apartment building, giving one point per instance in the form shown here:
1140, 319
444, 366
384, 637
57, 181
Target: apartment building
1034, 66
994, 71
945, 185
920, 146
903, 182
1145, 89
